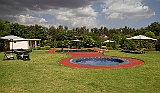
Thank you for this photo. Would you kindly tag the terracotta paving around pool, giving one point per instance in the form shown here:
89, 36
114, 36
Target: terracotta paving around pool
66, 62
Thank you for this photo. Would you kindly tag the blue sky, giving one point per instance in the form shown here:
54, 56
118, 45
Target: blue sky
78, 13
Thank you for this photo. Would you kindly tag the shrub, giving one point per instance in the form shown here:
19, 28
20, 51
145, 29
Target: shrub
38, 48
47, 47
145, 49
110, 48
151, 49
119, 48
103, 47
158, 45
42, 48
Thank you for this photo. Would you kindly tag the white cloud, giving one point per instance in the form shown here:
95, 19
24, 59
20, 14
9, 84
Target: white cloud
85, 16
85, 12
29, 20
120, 9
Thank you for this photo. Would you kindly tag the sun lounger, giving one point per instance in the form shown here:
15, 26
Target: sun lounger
8, 57
134, 51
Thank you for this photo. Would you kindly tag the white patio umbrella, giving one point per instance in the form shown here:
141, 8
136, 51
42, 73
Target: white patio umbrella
141, 37
11, 37
108, 41
76, 40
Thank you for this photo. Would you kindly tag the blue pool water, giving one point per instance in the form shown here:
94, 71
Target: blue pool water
99, 61
75, 50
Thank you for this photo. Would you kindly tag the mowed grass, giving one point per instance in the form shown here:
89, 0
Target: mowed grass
44, 74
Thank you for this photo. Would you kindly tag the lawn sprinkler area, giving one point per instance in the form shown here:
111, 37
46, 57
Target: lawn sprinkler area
97, 61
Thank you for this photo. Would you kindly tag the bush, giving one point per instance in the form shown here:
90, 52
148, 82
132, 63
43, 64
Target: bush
42, 48
38, 48
158, 45
47, 47
103, 47
151, 49
110, 48
119, 48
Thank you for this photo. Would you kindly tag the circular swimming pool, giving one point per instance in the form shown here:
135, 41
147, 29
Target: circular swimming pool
99, 61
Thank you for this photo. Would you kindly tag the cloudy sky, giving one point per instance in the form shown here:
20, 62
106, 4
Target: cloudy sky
78, 13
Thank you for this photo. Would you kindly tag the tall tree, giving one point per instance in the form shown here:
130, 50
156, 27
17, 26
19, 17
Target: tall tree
154, 27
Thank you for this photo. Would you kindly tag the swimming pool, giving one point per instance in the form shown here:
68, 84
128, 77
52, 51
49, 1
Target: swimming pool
99, 61
76, 50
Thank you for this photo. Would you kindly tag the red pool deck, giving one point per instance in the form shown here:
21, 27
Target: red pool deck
66, 62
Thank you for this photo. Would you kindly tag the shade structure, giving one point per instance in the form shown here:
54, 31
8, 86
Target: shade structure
11, 37
76, 40
141, 37
108, 41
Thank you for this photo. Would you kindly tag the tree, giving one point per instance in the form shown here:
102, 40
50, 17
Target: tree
89, 38
154, 27
51, 32
18, 30
140, 31
150, 34
88, 41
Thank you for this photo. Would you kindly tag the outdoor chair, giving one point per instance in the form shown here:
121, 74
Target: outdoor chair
23, 56
8, 57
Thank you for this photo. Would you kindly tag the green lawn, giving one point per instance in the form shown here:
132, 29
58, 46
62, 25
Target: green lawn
44, 74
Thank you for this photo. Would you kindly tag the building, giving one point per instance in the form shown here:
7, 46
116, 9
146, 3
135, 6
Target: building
24, 43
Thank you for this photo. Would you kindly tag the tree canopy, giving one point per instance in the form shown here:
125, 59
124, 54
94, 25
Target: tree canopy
56, 37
